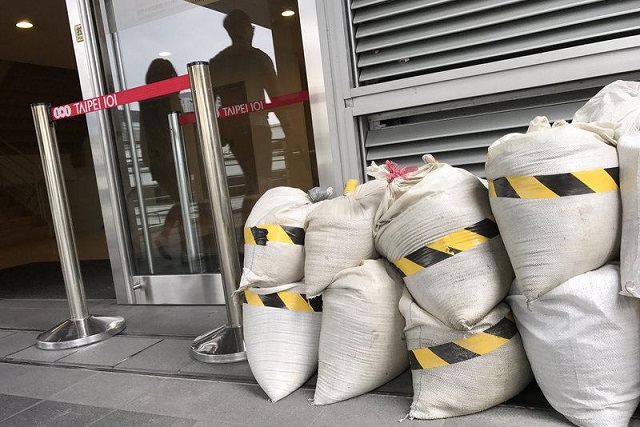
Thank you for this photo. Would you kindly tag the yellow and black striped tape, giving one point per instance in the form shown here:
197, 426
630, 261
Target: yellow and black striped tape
264, 233
448, 246
285, 300
464, 349
557, 185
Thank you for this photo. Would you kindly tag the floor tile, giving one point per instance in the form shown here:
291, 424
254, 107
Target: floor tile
238, 370
38, 381
367, 410
39, 319
11, 405
6, 333
108, 389
402, 385
16, 342
34, 354
110, 352
189, 321
138, 419
56, 414
169, 355
503, 416
184, 398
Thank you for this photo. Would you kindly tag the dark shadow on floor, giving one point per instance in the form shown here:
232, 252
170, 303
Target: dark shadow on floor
44, 280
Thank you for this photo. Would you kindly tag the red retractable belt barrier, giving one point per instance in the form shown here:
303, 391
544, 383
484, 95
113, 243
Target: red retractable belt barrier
166, 87
140, 93
251, 107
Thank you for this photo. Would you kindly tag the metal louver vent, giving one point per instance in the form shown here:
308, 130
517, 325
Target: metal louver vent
401, 38
459, 135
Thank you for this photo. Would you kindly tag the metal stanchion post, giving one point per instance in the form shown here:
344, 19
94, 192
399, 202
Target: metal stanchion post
81, 328
226, 343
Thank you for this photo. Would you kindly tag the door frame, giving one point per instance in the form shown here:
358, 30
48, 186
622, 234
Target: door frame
173, 289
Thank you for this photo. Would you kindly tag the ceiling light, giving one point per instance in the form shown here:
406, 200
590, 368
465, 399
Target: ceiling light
164, 54
288, 12
24, 24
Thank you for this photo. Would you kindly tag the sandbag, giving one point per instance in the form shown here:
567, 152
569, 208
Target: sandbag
461, 372
361, 341
554, 193
629, 156
274, 238
339, 234
281, 335
618, 102
582, 340
441, 234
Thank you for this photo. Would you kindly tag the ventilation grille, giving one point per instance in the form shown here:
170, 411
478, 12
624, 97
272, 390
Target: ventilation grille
401, 38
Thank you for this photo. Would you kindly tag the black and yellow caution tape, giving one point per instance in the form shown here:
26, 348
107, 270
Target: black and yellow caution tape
448, 246
264, 233
557, 185
285, 300
466, 348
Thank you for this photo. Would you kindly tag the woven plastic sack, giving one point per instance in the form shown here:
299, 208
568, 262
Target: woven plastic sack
340, 234
361, 341
618, 102
582, 340
555, 197
457, 373
274, 238
629, 155
441, 234
281, 335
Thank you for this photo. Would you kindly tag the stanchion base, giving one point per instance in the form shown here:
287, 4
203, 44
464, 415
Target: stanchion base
222, 345
77, 333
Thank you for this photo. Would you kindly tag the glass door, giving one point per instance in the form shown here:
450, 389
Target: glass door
256, 59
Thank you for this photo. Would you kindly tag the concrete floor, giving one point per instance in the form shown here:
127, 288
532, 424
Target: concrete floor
145, 377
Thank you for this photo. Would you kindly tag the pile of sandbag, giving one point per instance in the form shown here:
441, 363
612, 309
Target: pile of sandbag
281, 325
361, 339
554, 193
436, 226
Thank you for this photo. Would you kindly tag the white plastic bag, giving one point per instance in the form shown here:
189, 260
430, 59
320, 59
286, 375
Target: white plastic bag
339, 234
555, 197
274, 238
461, 372
441, 234
629, 155
582, 339
618, 102
281, 335
361, 341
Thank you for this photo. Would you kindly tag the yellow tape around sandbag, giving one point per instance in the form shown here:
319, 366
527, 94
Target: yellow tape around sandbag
464, 349
261, 234
284, 300
555, 185
448, 246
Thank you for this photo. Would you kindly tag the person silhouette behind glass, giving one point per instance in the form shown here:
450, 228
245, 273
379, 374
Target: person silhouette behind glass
157, 149
242, 73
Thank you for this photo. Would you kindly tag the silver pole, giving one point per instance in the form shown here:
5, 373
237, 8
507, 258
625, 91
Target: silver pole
226, 343
142, 204
184, 191
81, 328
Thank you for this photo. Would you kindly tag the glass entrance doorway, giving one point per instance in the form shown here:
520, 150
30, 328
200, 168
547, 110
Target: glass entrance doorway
256, 59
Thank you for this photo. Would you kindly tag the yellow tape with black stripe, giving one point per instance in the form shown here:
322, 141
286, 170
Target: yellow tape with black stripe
285, 300
555, 185
466, 348
448, 246
264, 233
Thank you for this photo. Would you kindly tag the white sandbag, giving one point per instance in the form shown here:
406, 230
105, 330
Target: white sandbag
629, 156
555, 197
441, 235
582, 339
339, 234
618, 102
274, 238
281, 335
457, 373
361, 341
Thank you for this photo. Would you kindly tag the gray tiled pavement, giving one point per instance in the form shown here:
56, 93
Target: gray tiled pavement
145, 377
